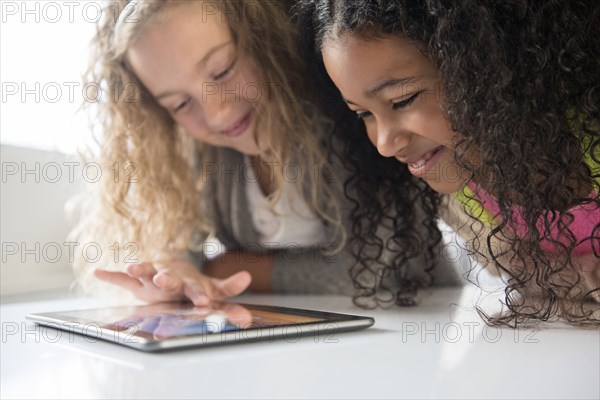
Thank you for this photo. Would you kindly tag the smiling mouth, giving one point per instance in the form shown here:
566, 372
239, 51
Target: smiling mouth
240, 127
421, 162
420, 166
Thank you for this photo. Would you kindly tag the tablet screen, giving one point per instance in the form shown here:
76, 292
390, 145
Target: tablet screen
171, 325
168, 320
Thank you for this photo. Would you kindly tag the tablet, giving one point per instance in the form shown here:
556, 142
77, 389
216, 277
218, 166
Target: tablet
167, 326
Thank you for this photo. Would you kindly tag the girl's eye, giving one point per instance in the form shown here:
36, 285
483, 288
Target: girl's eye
182, 105
363, 115
396, 106
226, 72
406, 102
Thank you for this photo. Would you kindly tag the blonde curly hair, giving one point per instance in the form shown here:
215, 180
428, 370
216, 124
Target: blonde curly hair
150, 204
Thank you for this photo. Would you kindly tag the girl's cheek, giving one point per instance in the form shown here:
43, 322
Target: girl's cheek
249, 86
252, 92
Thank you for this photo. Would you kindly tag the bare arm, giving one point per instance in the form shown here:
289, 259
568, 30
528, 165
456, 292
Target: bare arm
259, 266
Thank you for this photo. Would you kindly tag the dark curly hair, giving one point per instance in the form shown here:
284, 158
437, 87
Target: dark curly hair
521, 84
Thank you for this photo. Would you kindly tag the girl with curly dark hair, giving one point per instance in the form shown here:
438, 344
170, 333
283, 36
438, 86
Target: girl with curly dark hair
495, 106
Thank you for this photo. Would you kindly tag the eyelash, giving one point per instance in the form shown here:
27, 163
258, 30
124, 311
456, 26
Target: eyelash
182, 105
396, 106
227, 70
218, 77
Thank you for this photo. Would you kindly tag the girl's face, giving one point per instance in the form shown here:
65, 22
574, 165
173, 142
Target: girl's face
394, 89
189, 63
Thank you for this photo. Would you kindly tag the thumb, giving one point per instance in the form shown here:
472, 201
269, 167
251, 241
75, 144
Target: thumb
234, 285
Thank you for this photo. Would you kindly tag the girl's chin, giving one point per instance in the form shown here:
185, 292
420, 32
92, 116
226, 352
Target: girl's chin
447, 178
249, 152
446, 187
247, 147
442, 189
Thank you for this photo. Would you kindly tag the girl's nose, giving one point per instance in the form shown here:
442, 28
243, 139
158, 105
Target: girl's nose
390, 140
216, 108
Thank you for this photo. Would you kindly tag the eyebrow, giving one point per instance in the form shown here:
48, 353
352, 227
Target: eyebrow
388, 84
204, 60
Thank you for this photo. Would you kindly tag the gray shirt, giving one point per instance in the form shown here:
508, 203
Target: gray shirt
298, 270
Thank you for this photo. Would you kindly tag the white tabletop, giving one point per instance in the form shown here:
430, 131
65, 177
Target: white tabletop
431, 351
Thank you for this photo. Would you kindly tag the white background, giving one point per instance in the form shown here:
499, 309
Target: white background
43, 54
41, 66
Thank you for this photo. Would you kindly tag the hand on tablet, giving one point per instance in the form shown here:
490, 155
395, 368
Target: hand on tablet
176, 281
